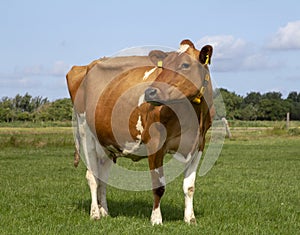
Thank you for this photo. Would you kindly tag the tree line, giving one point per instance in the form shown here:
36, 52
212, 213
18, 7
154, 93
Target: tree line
257, 106
34, 109
254, 106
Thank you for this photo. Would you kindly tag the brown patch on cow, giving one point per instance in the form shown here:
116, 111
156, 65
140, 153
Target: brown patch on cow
160, 191
191, 191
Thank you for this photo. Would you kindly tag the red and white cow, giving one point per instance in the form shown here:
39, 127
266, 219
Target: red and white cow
161, 103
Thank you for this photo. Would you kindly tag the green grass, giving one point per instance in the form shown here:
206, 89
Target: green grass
254, 188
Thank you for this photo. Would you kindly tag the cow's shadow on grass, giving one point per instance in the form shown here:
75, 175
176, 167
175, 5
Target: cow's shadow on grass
141, 208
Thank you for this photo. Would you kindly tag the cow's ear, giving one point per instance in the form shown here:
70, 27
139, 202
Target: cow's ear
205, 54
187, 42
157, 56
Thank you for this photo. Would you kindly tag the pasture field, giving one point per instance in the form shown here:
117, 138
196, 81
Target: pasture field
254, 188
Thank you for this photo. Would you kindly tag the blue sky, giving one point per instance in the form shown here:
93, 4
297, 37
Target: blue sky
256, 43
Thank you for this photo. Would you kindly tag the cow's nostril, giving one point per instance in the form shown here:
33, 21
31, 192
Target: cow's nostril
150, 94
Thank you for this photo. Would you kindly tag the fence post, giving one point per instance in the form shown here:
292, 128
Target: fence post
287, 120
226, 127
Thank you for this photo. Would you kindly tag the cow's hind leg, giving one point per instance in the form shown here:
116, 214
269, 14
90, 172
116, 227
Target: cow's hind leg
189, 187
92, 175
104, 167
93, 182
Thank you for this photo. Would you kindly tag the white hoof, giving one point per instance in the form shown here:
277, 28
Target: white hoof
156, 218
103, 212
190, 220
95, 213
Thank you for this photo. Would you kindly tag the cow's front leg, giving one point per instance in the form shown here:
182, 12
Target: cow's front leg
158, 186
189, 187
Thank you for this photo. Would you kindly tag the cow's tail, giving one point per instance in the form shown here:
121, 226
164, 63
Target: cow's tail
77, 139
76, 157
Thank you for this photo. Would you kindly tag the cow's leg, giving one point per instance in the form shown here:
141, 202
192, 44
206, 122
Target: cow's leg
93, 182
92, 177
89, 148
158, 186
189, 187
104, 164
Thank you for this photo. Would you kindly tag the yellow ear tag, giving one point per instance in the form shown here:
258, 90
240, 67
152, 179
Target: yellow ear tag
207, 59
197, 100
159, 64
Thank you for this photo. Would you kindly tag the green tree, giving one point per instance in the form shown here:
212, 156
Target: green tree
249, 112
25, 103
252, 98
294, 99
272, 107
60, 110
232, 103
293, 96
272, 95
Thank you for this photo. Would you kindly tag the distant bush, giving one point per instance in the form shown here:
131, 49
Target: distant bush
255, 106
34, 109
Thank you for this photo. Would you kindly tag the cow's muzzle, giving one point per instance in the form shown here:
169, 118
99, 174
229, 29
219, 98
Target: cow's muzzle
151, 96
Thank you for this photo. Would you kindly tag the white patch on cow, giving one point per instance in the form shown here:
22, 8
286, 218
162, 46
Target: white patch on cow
183, 48
139, 127
156, 218
131, 147
141, 100
148, 73
136, 148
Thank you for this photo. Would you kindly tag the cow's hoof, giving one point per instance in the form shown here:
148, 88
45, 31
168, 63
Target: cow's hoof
103, 212
156, 222
95, 213
156, 218
191, 220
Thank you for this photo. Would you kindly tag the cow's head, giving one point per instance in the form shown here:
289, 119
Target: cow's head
184, 74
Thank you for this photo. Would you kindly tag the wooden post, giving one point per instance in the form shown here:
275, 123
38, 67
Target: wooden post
287, 120
226, 127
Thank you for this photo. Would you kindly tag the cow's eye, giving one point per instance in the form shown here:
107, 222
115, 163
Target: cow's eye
185, 65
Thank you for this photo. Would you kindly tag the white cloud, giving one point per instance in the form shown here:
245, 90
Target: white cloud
287, 37
235, 54
225, 46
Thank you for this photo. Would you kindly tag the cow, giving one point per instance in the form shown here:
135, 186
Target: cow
143, 107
